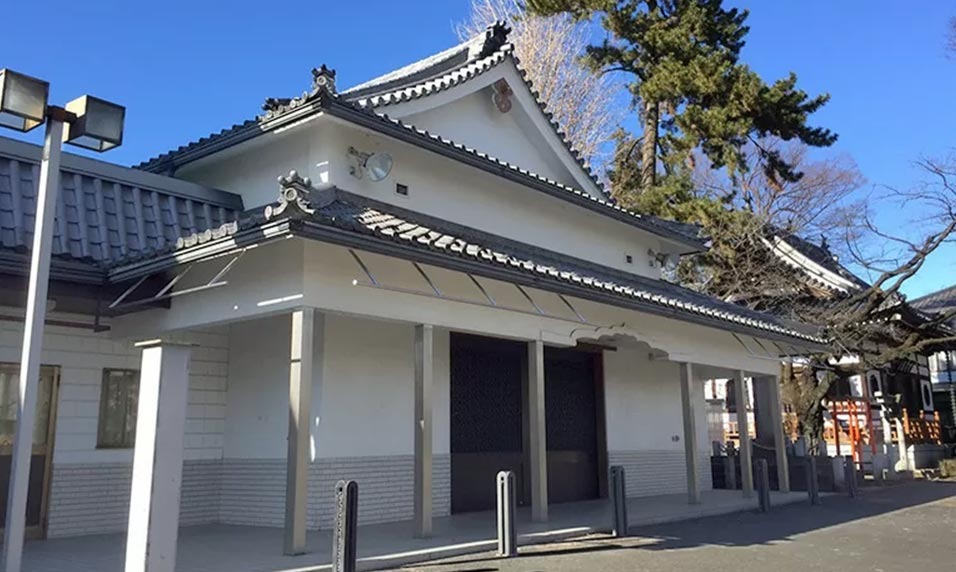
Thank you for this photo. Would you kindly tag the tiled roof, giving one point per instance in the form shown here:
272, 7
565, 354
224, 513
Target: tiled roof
478, 47
411, 86
491, 51
322, 99
104, 212
937, 302
380, 224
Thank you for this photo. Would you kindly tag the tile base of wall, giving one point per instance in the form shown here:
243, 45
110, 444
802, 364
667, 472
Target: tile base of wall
94, 498
649, 473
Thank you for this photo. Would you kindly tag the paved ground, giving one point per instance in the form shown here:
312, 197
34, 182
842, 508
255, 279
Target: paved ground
908, 527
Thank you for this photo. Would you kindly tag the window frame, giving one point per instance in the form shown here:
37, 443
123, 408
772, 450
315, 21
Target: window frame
129, 438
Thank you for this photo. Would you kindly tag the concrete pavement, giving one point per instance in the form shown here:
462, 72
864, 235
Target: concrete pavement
910, 526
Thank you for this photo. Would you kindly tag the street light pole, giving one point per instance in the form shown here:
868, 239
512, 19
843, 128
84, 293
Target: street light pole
49, 183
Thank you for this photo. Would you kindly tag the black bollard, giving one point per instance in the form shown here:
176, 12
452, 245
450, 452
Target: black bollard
507, 535
763, 484
345, 531
618, 502
813, 483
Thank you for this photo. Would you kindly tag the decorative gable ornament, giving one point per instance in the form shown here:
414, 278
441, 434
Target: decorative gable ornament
501, 95
323, 85
323, 78
294, 192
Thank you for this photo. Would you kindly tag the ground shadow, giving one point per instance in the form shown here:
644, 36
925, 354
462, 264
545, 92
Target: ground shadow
781, 523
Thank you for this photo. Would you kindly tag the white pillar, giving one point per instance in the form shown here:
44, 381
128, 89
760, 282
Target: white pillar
689, 412
779, 438
424, 380
537, 435
158, 458
743, 429
301, 356
18, 488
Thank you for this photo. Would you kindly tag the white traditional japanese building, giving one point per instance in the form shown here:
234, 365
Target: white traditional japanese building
413, 283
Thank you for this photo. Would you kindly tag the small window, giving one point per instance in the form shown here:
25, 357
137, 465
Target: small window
401, 189
120, 393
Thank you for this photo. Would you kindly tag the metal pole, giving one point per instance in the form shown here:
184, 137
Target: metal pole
344, 541
49, 184
619, 501
507, 535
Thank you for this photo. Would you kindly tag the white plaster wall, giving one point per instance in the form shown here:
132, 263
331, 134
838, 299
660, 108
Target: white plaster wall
438, 187
361, 406
643, 408
474, 121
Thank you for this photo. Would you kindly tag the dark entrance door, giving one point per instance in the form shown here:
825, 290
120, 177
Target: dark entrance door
486, 417
574, 407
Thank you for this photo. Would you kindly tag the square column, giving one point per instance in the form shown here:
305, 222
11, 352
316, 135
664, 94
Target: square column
302, 371
689, 412
772, 386
158, 458
537, 432
424, 381
743, 429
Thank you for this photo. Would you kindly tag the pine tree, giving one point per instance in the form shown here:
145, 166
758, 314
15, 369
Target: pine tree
693, 95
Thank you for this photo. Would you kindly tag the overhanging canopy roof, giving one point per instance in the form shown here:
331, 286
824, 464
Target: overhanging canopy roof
339, 217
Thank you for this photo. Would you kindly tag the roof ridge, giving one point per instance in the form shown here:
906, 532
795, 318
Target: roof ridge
478, 46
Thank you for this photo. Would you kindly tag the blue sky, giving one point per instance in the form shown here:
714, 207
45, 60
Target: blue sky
186, 69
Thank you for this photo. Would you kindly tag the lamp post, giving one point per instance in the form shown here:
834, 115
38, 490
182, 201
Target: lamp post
87, 122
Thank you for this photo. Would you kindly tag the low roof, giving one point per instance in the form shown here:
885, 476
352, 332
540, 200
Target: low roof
340, 217
104, 212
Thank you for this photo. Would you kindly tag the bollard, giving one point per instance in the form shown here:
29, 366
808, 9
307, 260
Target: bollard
344, 533
730, 470
813, 483
507, 536
849, 476
879, 466
763, 484
618, 502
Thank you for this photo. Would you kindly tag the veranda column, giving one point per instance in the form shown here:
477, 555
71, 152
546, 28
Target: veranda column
424, 377
301, 371
779, 438
689, 412
158, 458
537, 436
743, 429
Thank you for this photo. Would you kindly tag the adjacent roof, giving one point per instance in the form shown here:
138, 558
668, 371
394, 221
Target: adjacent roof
339, 217
437, 72
938, 302
815, 262
104, 212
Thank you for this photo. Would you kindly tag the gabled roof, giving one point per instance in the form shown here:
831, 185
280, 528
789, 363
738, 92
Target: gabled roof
324, 99
455, 66
340, 217
104, 212
491, 42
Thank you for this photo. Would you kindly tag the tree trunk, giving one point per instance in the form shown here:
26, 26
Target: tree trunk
652, 116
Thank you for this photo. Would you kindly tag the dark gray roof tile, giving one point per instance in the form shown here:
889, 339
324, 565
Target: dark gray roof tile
103, 211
